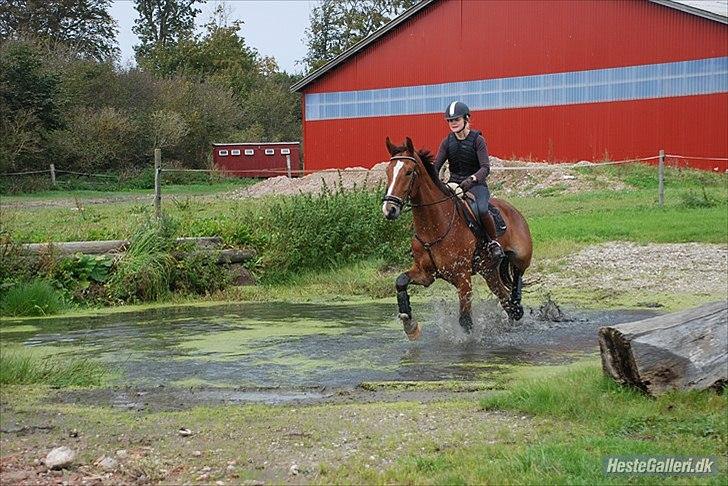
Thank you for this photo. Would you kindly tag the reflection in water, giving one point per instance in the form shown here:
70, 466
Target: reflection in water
289, 345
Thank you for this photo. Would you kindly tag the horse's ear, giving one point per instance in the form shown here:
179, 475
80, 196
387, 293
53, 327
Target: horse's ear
390, 146
410, 146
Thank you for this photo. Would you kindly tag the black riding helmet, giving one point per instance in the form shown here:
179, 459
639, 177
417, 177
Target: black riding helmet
457, 109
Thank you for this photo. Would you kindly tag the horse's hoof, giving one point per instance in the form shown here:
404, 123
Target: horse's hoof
414, 335
411, 327
514, 311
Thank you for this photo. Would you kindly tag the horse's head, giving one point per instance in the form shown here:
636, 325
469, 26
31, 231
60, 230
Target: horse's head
401, 177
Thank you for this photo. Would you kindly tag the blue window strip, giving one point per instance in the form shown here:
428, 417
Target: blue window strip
702, 76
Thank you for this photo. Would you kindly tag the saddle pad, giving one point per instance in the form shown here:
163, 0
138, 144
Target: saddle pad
474, 217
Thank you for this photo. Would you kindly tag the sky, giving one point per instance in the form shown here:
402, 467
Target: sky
274, 27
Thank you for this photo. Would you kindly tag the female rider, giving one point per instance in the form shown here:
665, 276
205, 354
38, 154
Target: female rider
467, 153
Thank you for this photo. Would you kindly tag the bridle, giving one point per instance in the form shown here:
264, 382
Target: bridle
403, 205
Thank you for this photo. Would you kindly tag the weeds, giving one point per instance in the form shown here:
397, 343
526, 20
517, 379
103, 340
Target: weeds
34, 298
22, 367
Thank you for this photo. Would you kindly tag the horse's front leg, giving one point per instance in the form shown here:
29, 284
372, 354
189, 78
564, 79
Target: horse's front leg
465, 294
415, 276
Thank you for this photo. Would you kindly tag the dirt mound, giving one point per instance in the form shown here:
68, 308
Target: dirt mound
529, 179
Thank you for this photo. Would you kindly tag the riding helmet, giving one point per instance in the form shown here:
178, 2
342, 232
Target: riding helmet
457, 109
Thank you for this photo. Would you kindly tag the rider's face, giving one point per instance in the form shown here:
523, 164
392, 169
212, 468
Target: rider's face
456, 124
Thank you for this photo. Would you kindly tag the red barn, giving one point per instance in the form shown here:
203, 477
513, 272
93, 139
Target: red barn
555, 80
257, 159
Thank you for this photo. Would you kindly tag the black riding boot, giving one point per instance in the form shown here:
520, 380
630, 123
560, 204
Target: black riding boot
495, 250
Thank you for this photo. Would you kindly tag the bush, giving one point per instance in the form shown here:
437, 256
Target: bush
321, 232
198, 273
34, 298
144, 272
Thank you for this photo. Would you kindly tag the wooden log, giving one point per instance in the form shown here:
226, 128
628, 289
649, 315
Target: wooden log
224, 257
104, 246
682, 350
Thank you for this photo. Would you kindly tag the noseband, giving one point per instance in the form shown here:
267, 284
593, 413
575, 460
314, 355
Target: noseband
399, 202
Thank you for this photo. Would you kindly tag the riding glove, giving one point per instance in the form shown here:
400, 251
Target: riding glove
467, 184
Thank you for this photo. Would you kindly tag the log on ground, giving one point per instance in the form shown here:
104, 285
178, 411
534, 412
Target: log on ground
104, 246
682, 350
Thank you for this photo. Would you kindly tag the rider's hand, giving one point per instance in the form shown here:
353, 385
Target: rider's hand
467, 184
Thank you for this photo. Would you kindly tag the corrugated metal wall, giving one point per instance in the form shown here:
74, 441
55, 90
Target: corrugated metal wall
504, 47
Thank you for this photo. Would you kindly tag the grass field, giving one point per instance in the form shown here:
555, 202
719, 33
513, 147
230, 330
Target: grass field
696, 210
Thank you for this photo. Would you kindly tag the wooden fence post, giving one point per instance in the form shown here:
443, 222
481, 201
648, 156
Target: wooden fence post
53, 175
288, 165
661, 180
158, 183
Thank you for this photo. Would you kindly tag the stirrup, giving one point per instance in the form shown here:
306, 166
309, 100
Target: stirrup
495, 250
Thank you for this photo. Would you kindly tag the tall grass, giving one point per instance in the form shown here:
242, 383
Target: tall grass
144, 272
322, 232
34, 298
22, 367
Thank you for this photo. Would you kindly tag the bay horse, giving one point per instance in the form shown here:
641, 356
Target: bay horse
444, 246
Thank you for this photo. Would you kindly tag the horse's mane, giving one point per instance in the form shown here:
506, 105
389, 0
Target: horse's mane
427, 160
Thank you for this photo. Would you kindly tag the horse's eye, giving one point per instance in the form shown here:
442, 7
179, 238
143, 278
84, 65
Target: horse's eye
409, 172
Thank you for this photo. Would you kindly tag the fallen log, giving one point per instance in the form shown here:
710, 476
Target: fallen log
224, 257
104, 246
682, 350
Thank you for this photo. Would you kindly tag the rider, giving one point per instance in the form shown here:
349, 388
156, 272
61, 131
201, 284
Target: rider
467, 153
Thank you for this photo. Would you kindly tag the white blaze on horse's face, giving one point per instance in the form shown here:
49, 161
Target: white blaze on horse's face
391, 210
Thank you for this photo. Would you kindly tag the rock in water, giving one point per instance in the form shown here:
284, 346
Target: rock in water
60, 457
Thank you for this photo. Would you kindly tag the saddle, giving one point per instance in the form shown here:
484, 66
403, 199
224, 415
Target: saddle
473, 217
470, 211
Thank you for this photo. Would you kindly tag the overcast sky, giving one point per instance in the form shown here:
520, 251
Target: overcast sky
273, 27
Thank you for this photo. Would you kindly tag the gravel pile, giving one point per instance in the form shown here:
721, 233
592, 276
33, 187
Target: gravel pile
502, 182
692, 268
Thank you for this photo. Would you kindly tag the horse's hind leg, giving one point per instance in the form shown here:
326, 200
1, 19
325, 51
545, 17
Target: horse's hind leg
418, 277
515, 309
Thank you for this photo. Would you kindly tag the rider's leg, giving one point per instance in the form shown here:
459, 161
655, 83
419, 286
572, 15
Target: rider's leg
482, 195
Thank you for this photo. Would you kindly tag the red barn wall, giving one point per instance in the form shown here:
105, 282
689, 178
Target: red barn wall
461, 40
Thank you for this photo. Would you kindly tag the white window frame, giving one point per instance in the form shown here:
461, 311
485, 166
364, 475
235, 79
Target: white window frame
270, 151
222, 153
249, 152
285, 151
235, 152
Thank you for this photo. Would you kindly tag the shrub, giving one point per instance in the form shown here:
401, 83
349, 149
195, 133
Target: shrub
34, 298
321, 232
198, 273
144, 272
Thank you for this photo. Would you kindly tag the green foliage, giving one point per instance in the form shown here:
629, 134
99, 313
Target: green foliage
198, 273
23, 367
336, 25
83, 275
33, 298
321, 232
694, 199
29, 105
144, 273
163, 23
83, 25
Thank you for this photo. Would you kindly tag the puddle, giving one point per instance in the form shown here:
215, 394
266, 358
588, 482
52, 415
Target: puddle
259, 346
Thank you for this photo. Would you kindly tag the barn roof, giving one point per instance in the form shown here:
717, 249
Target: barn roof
716, 10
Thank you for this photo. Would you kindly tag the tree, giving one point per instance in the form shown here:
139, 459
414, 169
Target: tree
336, 25
163, 23
29, 104
84, 25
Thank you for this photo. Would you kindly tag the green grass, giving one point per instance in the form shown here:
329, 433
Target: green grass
24, 367
579, 417
34, 298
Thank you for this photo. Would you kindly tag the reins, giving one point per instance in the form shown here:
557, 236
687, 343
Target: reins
406, 205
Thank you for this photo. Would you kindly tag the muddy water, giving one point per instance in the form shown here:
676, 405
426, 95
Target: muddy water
306, 345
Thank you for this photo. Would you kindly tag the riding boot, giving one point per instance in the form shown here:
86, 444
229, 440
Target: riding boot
494, 248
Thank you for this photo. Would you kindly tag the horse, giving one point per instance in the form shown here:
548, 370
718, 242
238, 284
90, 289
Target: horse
443, 244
